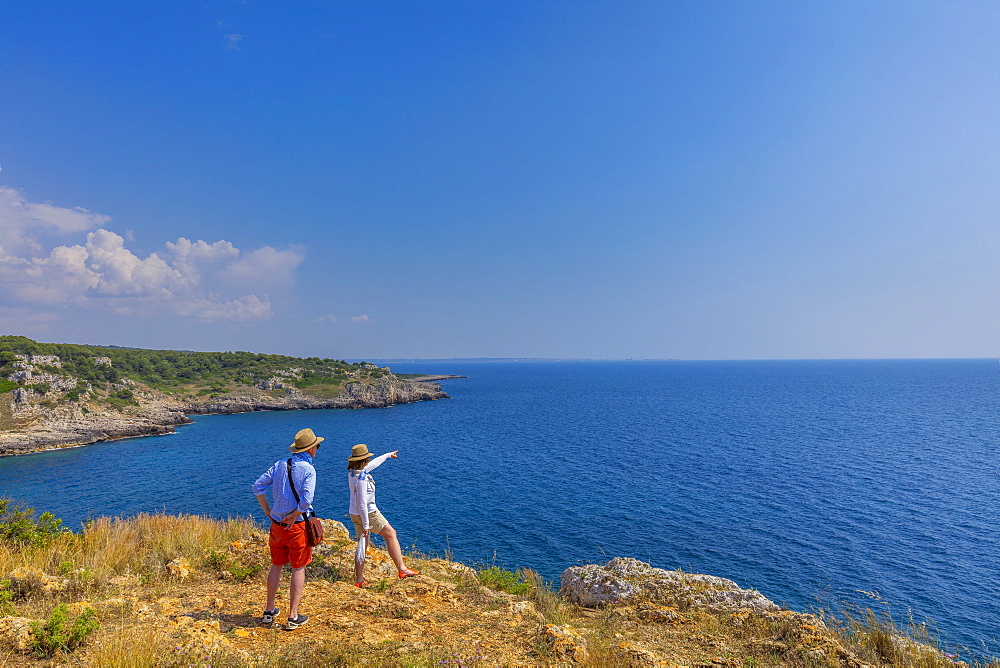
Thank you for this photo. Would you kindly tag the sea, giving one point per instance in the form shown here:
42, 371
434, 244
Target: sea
824, 484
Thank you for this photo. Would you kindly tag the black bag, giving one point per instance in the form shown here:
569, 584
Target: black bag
314, 528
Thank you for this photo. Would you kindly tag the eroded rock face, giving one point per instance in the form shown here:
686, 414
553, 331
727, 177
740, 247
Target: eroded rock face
567, 643
15, 633
623, 580
27, 582
69, 425
65, 425
355, 395
180, 568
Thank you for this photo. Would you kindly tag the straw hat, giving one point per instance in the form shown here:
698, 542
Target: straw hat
359, 452
304, 440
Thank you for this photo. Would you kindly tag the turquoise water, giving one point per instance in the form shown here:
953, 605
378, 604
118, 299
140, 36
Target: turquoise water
802, 479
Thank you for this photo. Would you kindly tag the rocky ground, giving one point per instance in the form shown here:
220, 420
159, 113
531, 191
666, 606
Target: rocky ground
624, 613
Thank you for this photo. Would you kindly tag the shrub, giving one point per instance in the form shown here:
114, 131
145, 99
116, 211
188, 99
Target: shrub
501, 579
18, 525
7, 385
236, 570
6, 598
59, 634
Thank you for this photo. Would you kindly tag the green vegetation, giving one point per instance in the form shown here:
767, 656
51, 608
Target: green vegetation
501, 579
59, 634
19, 526
182, 373
225, 563
6, 598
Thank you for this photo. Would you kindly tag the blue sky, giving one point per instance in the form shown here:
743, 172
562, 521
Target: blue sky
696, 180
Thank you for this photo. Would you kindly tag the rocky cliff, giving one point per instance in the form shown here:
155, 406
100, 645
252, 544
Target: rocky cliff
386, 392
49, 410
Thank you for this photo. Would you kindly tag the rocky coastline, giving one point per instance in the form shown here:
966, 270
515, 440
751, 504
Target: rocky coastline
43, 428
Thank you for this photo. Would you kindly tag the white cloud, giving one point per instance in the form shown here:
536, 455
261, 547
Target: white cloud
363, 318
192, 258
249, 307
194, 279
22, 221
264, 267
326, 318
233, 41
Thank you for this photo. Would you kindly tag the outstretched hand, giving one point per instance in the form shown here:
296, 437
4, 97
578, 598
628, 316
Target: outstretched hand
393, 454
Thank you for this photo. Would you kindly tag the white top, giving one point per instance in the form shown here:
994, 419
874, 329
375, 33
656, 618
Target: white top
362, 486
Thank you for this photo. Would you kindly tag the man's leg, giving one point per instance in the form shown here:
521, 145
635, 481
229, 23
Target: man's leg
273, 580
295, 591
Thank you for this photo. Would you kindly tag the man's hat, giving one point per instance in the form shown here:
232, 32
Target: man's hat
304, 440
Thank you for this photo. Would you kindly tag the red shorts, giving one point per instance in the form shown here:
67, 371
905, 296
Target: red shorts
288, 545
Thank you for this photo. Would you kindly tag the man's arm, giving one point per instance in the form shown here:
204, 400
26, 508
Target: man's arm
260, 488
262, 500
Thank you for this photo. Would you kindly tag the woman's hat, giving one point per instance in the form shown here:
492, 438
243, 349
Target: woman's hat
359, 452
304, 440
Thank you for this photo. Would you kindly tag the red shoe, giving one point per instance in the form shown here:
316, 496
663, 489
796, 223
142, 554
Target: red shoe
408, 573
362, 585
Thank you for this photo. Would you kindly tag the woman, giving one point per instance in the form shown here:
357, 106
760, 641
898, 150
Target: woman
365, 514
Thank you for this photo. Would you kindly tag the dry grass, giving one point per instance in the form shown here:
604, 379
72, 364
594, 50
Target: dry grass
448, 620
128, 646
137, 545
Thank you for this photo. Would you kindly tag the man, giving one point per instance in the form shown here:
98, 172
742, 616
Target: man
288, 530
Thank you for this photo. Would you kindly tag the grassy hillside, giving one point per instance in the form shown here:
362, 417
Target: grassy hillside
163, 590
185, 374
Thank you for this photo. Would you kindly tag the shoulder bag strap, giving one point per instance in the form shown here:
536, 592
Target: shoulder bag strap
292, 484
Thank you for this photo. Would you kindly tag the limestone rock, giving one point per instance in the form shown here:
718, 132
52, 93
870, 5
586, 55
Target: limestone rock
386, 391
566, 642
180, 568
449, 569
48, 360
78, 608
638, 657
197, 634
15, 633
26, 582
657, 613
623, 580
524, 609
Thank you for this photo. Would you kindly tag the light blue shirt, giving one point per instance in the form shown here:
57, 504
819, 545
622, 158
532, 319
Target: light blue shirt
276, 479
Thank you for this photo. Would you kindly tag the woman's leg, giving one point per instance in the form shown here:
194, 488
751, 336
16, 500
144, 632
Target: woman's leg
392, 545
359, 569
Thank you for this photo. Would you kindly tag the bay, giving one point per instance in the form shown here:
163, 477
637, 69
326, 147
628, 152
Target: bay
812, 481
